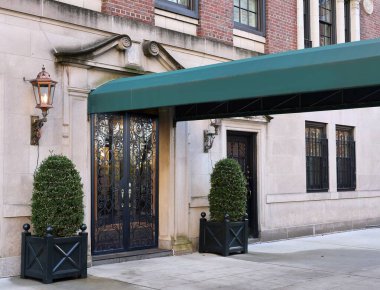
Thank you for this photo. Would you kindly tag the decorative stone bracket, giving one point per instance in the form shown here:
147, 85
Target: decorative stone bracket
154, 49
86, 57
121, 42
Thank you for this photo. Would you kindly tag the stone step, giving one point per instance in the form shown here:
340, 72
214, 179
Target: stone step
130, 256
253, 240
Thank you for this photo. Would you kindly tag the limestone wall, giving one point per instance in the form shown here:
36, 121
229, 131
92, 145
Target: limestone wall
31, 35
31, 32
286, 209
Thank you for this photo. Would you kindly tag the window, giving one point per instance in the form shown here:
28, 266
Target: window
347, 21
345, 158
316, 157
249, 15
306, 23
184, 7
327, 22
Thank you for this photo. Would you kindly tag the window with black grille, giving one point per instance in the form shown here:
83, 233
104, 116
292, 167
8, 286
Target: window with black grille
317, 170
345, 158
327, 22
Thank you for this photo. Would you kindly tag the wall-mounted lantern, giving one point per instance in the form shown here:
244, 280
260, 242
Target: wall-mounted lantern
43, 88
209, 136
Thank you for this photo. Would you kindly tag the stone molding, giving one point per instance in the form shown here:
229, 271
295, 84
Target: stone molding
301, 197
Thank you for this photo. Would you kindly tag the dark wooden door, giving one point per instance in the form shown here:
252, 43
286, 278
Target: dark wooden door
241, 146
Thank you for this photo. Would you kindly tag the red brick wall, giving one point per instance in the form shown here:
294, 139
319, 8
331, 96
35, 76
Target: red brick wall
142, 10
216, 20
370, 24
281, 25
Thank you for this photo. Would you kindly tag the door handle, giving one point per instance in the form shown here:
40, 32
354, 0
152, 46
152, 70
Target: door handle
122, 197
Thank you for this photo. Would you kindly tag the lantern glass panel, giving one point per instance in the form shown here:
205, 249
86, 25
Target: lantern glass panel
44, 95
52, 90
36, 94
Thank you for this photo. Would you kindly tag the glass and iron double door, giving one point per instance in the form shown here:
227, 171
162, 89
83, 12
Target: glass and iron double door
124, 182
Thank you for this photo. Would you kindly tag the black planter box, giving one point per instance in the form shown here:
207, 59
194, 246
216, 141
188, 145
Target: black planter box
49, 258
223, 237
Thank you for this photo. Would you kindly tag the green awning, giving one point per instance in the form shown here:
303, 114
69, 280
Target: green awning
336, 76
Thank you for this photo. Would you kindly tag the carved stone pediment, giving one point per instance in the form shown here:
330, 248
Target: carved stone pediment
117, 53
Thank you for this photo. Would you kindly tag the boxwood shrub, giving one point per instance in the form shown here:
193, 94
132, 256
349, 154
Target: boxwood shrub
228, 194
57, 199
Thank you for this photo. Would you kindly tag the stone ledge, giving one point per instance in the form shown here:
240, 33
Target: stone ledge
16, 210
318, 229
317, 196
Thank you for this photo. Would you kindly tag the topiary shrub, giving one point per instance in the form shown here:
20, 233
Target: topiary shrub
228, 194
57, 199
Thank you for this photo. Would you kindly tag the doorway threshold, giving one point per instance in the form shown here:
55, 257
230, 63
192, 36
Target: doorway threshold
130, 256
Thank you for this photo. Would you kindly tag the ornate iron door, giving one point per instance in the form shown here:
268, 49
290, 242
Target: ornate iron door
142, 182
241, 146
124, 191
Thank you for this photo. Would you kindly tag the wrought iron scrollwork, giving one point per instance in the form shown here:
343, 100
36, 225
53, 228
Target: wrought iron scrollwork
108, 150
124, 182
142, 215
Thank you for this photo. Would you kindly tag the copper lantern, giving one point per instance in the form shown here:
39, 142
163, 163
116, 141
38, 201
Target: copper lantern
43, 88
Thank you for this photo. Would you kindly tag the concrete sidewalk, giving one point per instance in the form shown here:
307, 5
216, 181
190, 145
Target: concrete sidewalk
349, 260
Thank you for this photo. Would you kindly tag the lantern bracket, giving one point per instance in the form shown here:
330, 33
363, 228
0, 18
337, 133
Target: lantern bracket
36, 125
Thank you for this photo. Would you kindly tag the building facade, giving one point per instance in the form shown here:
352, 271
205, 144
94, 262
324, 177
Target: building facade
308, 173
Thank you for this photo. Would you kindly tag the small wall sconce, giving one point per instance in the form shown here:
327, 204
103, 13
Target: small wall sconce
43, 89
209, 136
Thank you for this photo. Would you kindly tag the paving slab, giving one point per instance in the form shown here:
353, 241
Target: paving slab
348, 260
90, 283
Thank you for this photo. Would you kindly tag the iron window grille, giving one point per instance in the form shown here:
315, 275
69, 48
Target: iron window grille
306, 23
327, 22
345, 158
316, 157
184, 7
249, 15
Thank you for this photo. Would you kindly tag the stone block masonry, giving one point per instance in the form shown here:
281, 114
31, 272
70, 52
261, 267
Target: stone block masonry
141, 10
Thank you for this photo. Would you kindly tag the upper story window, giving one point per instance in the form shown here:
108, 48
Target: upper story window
184, 7
327, 22
347, 21
317, 168
306, 23
345, 158
249, 15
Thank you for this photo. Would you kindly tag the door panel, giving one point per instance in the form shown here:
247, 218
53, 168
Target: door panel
142, 182
241, 146
108, 222
124, 199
